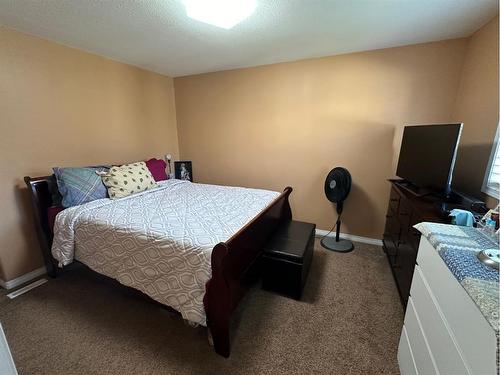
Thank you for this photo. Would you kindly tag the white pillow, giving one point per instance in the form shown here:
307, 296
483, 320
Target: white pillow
128, 179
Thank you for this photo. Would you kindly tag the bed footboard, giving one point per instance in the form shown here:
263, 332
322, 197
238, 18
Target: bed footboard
230, 262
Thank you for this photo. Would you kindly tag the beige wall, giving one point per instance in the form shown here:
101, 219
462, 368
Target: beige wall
289, 124
267, 127
61, 106
477, 108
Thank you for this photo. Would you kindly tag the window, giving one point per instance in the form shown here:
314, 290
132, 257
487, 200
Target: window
491, 184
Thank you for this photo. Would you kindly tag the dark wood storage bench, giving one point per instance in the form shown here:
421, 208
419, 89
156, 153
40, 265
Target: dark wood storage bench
287, 258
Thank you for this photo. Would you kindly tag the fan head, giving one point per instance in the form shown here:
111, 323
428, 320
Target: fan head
338, 184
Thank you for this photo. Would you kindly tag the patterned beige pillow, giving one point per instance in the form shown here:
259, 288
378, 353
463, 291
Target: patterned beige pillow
128, 179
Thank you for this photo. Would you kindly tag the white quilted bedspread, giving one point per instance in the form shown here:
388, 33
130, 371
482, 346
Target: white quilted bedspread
159, 241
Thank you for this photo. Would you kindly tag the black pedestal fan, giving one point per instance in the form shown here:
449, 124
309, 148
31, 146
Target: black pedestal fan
337, 188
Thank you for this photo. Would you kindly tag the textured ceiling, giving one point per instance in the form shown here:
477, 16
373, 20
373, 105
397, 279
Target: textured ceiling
157, 35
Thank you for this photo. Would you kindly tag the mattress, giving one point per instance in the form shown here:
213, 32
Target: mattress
159, 241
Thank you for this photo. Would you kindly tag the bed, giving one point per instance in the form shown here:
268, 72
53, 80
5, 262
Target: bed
188, 246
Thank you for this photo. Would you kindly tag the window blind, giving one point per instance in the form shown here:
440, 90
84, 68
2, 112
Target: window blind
494, 178
491, 184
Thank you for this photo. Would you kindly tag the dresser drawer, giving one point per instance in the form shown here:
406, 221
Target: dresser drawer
440, 340
404, 215
392, 228
436, 288
405, 356
418, 343
394, 199
404, 266
413, 237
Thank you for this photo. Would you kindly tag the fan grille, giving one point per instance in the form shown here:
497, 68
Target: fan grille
338, 184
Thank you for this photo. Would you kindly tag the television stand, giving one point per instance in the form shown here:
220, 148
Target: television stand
413, 189
405, 209
401, 240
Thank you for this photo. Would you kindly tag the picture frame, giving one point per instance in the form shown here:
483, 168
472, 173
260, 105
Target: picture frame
183, 170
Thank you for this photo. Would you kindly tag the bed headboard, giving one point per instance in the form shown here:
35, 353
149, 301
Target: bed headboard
44, 194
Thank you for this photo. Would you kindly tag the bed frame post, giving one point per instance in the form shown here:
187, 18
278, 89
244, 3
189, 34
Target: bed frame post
219, 311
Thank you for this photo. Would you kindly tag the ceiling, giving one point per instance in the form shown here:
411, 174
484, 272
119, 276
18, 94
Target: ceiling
157, 35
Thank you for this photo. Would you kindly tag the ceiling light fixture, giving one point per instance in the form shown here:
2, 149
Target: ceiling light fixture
220, 13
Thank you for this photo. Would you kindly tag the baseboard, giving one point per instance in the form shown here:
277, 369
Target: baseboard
14, 283
352, 237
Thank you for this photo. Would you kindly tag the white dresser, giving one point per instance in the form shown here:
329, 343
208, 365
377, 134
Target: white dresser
444, 331
7, 366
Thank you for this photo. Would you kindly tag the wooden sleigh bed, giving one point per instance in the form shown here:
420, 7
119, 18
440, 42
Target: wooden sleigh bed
231, 260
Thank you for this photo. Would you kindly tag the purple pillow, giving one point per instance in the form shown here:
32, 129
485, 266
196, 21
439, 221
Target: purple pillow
157, 169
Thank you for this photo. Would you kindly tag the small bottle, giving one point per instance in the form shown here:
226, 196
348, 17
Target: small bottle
489, 228
495, 218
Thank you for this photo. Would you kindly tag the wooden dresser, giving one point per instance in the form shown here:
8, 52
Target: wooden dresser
400, 239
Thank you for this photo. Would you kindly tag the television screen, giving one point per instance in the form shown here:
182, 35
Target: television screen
427, 155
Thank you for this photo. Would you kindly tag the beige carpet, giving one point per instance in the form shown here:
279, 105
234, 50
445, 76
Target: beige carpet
348, 323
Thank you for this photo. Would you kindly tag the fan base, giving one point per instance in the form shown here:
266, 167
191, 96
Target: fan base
342, 246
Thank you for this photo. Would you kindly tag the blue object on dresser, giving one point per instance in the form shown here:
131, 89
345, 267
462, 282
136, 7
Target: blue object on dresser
462, 217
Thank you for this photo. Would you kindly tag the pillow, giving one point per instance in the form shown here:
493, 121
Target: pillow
128, 179
80, 185
157, 169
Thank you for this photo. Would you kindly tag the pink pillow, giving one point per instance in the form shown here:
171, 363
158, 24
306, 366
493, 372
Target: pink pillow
157, 169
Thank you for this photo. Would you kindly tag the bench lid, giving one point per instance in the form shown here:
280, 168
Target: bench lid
290, 241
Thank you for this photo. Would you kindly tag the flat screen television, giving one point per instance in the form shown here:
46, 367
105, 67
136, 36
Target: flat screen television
427, 157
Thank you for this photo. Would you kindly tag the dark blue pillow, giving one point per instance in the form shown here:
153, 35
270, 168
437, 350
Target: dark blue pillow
80, 185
